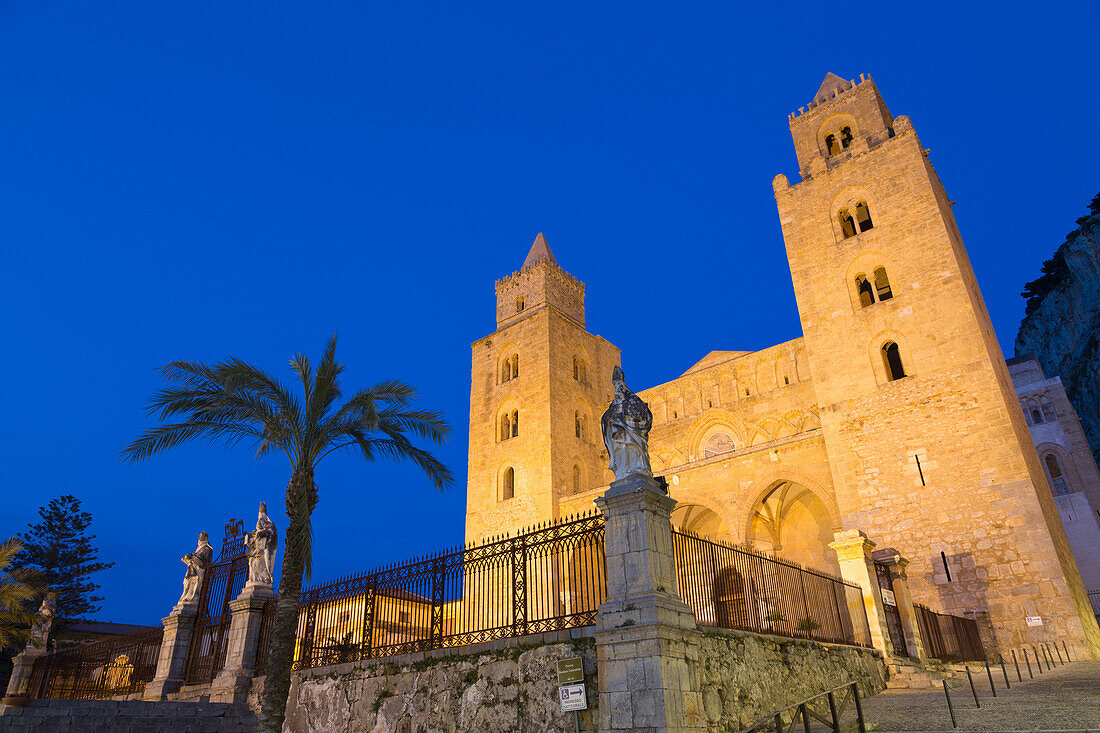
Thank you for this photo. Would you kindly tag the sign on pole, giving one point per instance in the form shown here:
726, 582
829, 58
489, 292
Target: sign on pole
570, 671
572, 698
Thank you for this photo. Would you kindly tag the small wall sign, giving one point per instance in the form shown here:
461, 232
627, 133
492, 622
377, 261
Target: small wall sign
572, 698
888, 597
570, 671
1034, 620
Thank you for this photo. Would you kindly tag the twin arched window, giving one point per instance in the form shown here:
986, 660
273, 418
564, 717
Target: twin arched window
836, 142
508, 483
509, 368
861, 222
580, 424
891, 358
580, 369
872, 291
509, 425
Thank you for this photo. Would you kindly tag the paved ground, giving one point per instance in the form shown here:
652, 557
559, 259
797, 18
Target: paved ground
1066, 698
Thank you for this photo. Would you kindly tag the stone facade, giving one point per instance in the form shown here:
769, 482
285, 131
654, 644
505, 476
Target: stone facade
894, 414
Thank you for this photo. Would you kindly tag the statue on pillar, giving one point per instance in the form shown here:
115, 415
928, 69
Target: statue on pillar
261, 546
626, 427
197, 562
43, 622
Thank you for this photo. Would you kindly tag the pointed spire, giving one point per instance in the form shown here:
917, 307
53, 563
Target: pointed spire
540, 250
829, 86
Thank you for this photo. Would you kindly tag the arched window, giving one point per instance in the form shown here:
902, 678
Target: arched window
515, 423
505, 426
847, 224
891, 357
866, 291
882, 284
831, 145
576, 368
863, 216
1057, 480
508, 484
519, 304
718, 444
1036, 417
506, 370
845, 136
577, 424
576, 479
515, 365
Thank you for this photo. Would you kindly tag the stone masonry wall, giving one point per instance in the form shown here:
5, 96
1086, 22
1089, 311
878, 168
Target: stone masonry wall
744, 676
506, 685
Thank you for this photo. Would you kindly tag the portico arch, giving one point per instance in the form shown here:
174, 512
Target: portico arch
796, 522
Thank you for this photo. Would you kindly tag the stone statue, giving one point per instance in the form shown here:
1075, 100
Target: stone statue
197, 562
626, 427
261, 546
43, 622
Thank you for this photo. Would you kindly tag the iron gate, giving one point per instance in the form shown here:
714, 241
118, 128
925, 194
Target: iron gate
890, 607
222, 583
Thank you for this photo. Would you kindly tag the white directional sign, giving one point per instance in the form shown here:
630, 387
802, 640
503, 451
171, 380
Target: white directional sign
572, 698
888, 597
1034, 620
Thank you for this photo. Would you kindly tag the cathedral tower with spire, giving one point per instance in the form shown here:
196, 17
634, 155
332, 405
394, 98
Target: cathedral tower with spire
537, 383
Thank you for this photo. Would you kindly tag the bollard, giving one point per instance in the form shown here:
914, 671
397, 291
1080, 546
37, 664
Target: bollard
950, 708
1067, 650
1017, 663
1007, 686
1030, 676
972, 690
990, 675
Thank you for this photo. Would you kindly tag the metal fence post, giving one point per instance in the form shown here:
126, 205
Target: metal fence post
1067, 650
1058, 652
859, 708
972, 690
1030, 676
990, 675
1017, 663
1002, 658
950, 707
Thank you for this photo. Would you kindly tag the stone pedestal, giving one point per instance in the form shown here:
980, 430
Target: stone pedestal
234, 681
21, 674
891, 558
172, 660
853, 552
646, 638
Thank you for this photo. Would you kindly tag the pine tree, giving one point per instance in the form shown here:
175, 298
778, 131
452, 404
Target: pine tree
58, 548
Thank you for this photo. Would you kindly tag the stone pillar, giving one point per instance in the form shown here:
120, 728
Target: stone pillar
234, 681
646, 637
172, 660
891, 558
21, 675
853, 552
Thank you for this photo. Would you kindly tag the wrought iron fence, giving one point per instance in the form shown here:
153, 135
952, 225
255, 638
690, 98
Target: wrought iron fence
544, 579
947, 637
829, 708
264, 642
222, 582
116, 666
738, 588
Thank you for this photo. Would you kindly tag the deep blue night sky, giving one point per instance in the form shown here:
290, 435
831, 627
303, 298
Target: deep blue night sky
194, 180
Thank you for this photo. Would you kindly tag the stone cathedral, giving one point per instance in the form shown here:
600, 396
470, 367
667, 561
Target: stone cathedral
895, 413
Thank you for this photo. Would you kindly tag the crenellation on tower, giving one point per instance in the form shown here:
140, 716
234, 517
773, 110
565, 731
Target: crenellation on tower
541, 281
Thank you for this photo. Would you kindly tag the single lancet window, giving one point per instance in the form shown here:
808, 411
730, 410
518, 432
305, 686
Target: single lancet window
891, 357
847, 224
508, 484
519, 304
831, 145
845, 136
882, 284
1036, 417
787, 381
515, 423
863, 216
866, 291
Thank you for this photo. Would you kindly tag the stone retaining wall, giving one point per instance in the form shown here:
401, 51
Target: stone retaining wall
745, 676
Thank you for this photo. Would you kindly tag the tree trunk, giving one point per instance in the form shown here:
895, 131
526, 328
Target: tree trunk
300, 500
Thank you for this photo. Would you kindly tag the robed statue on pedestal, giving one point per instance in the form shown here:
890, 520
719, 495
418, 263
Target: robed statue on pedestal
626, 427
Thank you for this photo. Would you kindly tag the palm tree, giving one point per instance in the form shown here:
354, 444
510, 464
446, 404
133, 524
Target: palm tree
17, 586
234, 402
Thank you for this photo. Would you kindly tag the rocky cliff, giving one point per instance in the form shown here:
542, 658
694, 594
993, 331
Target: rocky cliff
1062, 322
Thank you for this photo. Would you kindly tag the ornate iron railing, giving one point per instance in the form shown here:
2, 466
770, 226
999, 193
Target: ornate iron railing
949, 638
117, 666
264, 642
738, 588
548, 578
829, 708
222, 582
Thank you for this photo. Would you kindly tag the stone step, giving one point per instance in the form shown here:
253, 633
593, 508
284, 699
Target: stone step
93, 716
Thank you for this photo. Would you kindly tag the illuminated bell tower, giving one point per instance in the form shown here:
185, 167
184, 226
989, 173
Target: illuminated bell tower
536, 385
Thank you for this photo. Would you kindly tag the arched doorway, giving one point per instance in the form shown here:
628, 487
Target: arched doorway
793, 522
699, 520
